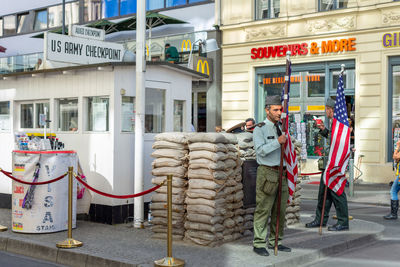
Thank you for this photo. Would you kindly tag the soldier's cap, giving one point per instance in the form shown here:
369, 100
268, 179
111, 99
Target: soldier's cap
330, 103
273, 100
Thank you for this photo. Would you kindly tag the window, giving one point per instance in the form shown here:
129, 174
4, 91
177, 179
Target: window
42, 114
325, 5
155, 111
9, 25
109, 8
33, 113
1, 27
40, 20
4, 116
266, 9
172, 3
92, 10
127, 7
393, 132
67, 114
26, 116
179, 115
23, 23
154, 4
98, 108
128, 114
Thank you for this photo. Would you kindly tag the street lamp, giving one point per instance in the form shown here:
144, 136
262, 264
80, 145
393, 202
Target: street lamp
209, 45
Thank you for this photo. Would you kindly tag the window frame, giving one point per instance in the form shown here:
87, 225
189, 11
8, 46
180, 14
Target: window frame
335, 6
86, 114
57, 114
35, 115
122, 114
269, 14
9, 116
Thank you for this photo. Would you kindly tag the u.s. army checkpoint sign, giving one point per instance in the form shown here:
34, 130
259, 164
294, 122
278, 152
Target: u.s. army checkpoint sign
78, 50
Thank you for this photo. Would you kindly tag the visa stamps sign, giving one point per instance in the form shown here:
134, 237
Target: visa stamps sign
88, 33
48, 211
78, 50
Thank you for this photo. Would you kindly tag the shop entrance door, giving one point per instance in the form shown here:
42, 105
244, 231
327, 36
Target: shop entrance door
199, 111
393, 134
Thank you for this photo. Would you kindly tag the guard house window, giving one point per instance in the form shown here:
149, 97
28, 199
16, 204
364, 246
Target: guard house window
128, 114
172, 3
4, 116
98, 114
9, 25
42, 110
109, 8
92, 10
267, 9
67, 114
179, 115
30, 114
325, 5
155, 111
40, 20
127, 7
26, 116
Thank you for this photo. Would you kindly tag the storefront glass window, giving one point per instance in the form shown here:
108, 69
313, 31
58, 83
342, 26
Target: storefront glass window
92, 10
179, 115
98, 108
109, 8
9, 25
325, 5
4, 116
172, 3
26, 116
40, 20
155, 110
154, 4
396, 104
273, 83
40, 112
68, 114
315, 83
128, 114
348, 79
266, 9
127, 7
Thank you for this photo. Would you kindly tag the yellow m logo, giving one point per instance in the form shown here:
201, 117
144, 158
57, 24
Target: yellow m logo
147, 50
203, 64
187, 44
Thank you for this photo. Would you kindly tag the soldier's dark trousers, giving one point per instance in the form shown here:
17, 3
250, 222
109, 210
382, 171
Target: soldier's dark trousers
340, 203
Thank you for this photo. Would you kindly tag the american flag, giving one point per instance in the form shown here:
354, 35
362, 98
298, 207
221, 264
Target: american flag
290, 153
339, 153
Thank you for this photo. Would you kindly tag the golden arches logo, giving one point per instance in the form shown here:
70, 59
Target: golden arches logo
147, 50
187, 44
203, 65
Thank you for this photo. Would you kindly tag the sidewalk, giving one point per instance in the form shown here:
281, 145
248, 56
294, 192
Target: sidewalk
122, 245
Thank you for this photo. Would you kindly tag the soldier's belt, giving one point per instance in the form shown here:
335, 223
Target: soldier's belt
274, 167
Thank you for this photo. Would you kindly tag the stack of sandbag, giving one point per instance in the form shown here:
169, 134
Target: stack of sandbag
171, 156
248, 221
212, 196
293, 208
246, 145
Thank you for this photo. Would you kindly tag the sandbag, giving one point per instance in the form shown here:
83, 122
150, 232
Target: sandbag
207, 210
231, 148
170, 153
204, 227
228, 231
175, 190
218, 156
175, 137
164, 236
201, 201
205, 193
292, 209
164, 214
248, 217
163, 206
167, 145
240, 212
207, 164
175, 171
204, 184
237, 205
164, 221
203, 218
230, 163
176, 181
207, 174
238, 220
199, 146
229, 223
230, 137
207, 137
164, 229
244, 137
238, 196
166, 162
176, 199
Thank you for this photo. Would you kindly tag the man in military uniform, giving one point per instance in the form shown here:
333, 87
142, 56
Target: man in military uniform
340, 202
268, 139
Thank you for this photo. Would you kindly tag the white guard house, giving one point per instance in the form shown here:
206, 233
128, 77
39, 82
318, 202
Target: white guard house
91, 109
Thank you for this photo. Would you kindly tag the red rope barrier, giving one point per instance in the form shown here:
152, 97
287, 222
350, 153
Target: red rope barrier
8, 174
310, 173
116, 196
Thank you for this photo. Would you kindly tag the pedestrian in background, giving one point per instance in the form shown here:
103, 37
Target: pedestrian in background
340, 202
250, 125
394, 199
268, 139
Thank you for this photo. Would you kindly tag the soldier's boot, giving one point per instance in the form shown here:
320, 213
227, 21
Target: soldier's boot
394, 206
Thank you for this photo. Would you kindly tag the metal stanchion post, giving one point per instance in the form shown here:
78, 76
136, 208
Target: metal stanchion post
351, 177
169, 260
70, 242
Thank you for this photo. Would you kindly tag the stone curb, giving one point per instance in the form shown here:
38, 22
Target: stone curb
57, 255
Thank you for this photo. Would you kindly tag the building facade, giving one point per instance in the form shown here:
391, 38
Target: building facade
321, 35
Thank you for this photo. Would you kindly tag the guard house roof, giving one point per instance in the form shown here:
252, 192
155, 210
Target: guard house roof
195, 75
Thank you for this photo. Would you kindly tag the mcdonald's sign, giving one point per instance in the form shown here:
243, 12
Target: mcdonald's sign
203, 65
186, 44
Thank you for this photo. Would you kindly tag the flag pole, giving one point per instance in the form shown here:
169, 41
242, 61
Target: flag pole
284, 118
326, 184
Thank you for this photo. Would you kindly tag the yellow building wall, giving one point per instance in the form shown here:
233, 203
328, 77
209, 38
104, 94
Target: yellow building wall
366, 21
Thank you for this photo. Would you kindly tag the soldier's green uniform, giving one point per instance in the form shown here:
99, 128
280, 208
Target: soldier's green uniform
268, 151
